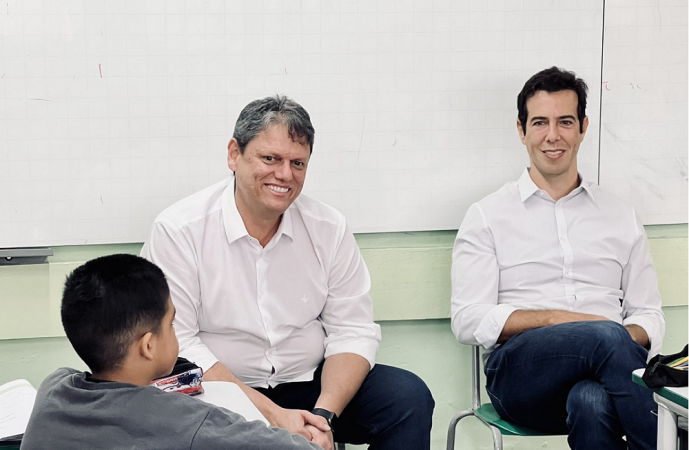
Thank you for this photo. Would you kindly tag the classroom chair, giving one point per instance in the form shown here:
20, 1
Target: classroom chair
486, 413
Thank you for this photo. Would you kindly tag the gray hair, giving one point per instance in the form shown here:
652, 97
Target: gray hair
260, 115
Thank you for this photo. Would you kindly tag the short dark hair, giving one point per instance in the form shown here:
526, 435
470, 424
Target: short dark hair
109, 302
553, 79
260, 115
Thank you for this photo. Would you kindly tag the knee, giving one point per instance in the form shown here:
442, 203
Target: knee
409, 393
588, 401
609, 334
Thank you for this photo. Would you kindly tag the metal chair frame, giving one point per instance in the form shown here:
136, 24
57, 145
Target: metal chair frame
485, 413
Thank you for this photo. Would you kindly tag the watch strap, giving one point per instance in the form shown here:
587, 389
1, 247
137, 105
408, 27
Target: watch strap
327, 415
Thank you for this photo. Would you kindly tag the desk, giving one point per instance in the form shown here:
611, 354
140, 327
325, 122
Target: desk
672, 402
230, 396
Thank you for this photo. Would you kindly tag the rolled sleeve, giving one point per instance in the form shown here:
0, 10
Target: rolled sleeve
642, 304
490, 327
169, 249
477, 319
348, 313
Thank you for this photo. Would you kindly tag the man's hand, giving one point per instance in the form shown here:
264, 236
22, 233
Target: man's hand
293, 420
322, 438
298, 421
523, 320
639, 335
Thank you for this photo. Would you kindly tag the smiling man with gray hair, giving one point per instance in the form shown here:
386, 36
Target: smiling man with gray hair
272, 294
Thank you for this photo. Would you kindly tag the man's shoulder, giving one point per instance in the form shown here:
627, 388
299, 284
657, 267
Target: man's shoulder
314, 210
607, 201
497, 200
195, 206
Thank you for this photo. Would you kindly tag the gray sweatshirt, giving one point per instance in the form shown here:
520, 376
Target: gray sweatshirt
72, 412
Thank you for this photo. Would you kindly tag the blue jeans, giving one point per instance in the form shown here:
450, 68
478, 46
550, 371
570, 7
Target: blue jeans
393, 408
576, 379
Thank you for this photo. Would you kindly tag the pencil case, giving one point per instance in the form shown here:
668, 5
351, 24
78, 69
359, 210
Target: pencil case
185, 378
659, 374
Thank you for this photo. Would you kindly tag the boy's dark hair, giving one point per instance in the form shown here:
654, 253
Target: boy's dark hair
109, 302
552, 80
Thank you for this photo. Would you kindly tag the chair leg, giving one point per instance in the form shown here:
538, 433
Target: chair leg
497, 438
453, 426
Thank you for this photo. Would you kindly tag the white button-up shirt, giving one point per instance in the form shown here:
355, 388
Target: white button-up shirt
518, 249
272, 314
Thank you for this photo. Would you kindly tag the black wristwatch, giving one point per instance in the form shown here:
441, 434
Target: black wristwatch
329, 416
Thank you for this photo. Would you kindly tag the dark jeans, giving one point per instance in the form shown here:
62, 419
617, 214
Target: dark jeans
393, 408
576, 379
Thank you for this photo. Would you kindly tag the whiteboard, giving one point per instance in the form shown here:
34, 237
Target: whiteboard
644, 121
113, 110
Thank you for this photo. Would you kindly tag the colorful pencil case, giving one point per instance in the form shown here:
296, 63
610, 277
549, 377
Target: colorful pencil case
185, 378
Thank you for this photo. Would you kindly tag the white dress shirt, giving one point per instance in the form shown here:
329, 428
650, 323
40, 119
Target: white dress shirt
518, 249
272, 314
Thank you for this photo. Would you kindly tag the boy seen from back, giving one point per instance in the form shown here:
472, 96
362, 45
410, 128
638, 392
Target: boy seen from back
117, 314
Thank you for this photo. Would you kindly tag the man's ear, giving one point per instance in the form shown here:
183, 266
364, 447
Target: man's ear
522, 135
146, 346
232, 154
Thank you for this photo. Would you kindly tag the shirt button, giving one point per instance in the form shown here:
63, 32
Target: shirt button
559, 206
563, 238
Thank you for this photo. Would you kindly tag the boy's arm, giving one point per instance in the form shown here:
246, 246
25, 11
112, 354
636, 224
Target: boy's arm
293, 420
225, 429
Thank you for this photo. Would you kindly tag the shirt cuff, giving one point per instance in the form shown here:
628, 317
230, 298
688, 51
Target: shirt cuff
490, 327
199, 355
366, 350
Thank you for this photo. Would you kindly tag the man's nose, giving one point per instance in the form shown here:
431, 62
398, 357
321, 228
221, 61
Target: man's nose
284, 170
553, 133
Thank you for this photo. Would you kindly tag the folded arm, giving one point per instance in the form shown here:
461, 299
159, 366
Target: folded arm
642, 313
477, 318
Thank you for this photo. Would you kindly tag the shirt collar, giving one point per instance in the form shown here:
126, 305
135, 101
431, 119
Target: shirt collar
234, 224
527, 187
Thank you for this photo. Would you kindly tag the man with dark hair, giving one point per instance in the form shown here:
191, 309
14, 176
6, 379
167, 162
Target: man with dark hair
272, 293
117, 314
568, 303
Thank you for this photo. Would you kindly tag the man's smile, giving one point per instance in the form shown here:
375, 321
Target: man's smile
553, 154
278, 189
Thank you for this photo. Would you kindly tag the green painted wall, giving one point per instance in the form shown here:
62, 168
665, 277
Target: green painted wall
410, 275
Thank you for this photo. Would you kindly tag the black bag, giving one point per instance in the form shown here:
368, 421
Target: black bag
658, 374
182, 365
